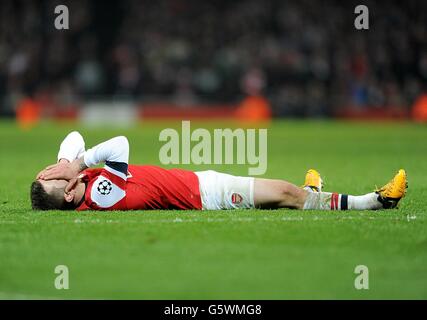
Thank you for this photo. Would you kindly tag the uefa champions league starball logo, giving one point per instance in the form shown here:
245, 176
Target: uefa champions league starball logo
104, 187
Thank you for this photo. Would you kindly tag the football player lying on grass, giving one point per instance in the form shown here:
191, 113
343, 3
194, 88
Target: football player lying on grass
69, 184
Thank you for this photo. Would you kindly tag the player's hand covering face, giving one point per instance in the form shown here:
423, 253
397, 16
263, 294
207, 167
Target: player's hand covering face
59, 171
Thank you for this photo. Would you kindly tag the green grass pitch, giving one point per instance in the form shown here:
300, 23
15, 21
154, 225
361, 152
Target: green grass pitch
278, 254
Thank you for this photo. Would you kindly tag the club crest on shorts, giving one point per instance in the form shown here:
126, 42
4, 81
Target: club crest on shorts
104, 187
236, 198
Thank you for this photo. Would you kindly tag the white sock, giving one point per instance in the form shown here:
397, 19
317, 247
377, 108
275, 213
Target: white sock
366, 202
335, 201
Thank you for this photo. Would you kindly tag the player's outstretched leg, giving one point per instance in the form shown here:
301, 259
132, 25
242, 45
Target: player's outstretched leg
282, 194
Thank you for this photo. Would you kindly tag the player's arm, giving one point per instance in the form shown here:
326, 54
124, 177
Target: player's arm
114, 153
71, 148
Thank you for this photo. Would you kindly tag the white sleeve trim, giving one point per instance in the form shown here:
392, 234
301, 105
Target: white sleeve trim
114, 150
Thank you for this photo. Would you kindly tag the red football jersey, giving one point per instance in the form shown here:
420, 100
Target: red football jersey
143, 188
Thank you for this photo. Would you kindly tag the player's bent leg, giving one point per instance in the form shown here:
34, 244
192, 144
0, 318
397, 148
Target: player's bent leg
272, 194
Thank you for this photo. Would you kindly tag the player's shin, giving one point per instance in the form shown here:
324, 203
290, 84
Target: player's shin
336, 201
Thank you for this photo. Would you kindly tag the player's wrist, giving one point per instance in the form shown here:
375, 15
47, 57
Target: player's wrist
63, 160
78, 165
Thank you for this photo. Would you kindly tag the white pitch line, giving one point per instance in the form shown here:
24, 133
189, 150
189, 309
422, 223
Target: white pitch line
24, 296
134, 220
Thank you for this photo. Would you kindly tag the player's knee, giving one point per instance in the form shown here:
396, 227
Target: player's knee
285, 190
289, 191
290, 196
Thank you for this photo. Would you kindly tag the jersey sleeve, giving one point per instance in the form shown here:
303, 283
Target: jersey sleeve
72, 147
110, 186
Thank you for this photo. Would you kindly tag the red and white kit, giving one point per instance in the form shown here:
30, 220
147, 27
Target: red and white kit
119, 186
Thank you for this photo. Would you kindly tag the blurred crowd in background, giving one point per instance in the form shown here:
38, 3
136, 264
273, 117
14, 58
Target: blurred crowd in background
304, 56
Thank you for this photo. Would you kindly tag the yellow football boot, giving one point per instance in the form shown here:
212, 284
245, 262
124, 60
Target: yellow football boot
313, 180
392, 192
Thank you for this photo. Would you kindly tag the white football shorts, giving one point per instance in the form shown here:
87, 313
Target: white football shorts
220, 191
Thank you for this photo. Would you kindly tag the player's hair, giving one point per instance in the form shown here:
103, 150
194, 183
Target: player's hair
41, 200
